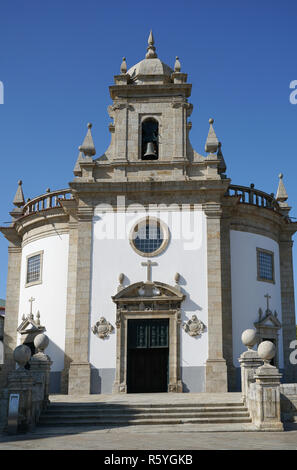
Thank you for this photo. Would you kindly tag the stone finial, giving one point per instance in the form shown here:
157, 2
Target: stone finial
41, 342
22, 354
222, 166
212, 143
19, 200
124, 66
249, 338
281, 195
266, 350
151, 50
177, 65
88, 147
121, 280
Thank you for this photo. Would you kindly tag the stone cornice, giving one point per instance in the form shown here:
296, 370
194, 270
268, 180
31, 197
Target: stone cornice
125, 91
11, 235
149, 186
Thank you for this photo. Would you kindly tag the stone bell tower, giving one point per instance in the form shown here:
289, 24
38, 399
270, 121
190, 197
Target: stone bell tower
150, 128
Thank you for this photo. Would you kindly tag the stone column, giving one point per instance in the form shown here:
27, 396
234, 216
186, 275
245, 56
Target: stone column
288, 305
11, 309
76, 376
216, 370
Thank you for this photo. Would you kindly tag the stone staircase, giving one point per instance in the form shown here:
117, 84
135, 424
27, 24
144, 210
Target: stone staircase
121, 413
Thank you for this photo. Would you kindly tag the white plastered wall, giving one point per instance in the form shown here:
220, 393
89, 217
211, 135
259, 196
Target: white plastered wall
184, 255
247, 292
50, 296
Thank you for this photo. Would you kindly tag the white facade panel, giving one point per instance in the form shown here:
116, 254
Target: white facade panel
51, 295
113, 254
247, 292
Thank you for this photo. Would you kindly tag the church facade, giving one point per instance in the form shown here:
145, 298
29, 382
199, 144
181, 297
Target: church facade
145, 271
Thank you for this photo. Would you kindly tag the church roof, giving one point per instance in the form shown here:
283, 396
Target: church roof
150, 66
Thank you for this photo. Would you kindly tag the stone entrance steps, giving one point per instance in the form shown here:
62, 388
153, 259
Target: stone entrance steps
74, 414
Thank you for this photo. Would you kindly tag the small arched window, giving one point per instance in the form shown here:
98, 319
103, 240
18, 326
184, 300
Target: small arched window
149, 139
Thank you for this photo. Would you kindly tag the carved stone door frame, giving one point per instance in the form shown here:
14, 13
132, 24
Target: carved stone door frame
168, 300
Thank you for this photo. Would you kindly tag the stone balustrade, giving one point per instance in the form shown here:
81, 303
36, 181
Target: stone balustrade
50, 200
250, 195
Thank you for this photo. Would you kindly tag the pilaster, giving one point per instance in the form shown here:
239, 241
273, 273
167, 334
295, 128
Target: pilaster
11, 308
76, 376
227, 300
288, 305
216, 369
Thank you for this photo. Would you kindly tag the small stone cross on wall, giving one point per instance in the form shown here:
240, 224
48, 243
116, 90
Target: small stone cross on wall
149, 265
267, 296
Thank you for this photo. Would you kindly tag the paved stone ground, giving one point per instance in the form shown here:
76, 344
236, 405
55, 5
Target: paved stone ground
156, 437
177, 437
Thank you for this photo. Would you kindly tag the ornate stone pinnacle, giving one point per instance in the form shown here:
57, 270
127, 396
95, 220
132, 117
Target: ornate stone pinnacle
124, 66
212, 143
19, 199
151, 50
281, 194
88, 147
177, 65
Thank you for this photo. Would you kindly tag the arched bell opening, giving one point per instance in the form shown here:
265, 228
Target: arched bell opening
149, 136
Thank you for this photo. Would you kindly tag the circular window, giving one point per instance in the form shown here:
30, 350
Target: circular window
149, 237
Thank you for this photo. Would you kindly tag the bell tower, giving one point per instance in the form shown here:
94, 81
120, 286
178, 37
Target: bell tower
150, 128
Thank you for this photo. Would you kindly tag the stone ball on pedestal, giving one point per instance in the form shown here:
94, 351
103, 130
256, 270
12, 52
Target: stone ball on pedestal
22, 354
249, 338
41, 342
266, 351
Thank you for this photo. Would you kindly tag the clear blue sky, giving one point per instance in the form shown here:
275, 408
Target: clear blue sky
58, 57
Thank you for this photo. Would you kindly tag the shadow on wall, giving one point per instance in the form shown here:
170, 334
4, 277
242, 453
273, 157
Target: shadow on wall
56, 355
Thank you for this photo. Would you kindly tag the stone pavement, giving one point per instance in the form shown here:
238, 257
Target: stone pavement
152, 437
177, 437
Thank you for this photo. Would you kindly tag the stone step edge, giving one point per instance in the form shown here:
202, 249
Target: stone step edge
146, 410
142, 415
146, 421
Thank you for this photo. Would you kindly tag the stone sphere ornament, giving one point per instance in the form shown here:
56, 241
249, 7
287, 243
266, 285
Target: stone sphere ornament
41, 342
22, 355
266, 350
249, 338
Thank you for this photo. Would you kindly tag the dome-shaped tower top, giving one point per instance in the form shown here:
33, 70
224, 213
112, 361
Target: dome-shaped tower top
150, 69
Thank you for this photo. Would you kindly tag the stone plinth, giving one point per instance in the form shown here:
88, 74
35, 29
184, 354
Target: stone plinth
79, 378
22, 382
41, 363
264, 399
249, 362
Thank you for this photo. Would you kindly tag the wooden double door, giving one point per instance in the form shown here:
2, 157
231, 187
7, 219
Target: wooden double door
147, 356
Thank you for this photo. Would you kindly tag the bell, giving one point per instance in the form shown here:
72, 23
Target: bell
150, 151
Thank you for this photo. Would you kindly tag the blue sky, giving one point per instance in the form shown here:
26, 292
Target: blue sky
57, 59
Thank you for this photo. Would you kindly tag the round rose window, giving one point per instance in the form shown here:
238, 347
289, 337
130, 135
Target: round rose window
149, 237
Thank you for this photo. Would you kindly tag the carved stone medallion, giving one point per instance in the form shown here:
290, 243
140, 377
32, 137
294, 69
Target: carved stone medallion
102, 328
194, 327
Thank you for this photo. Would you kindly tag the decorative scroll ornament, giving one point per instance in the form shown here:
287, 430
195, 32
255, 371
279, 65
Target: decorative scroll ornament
194, 327
102, 328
